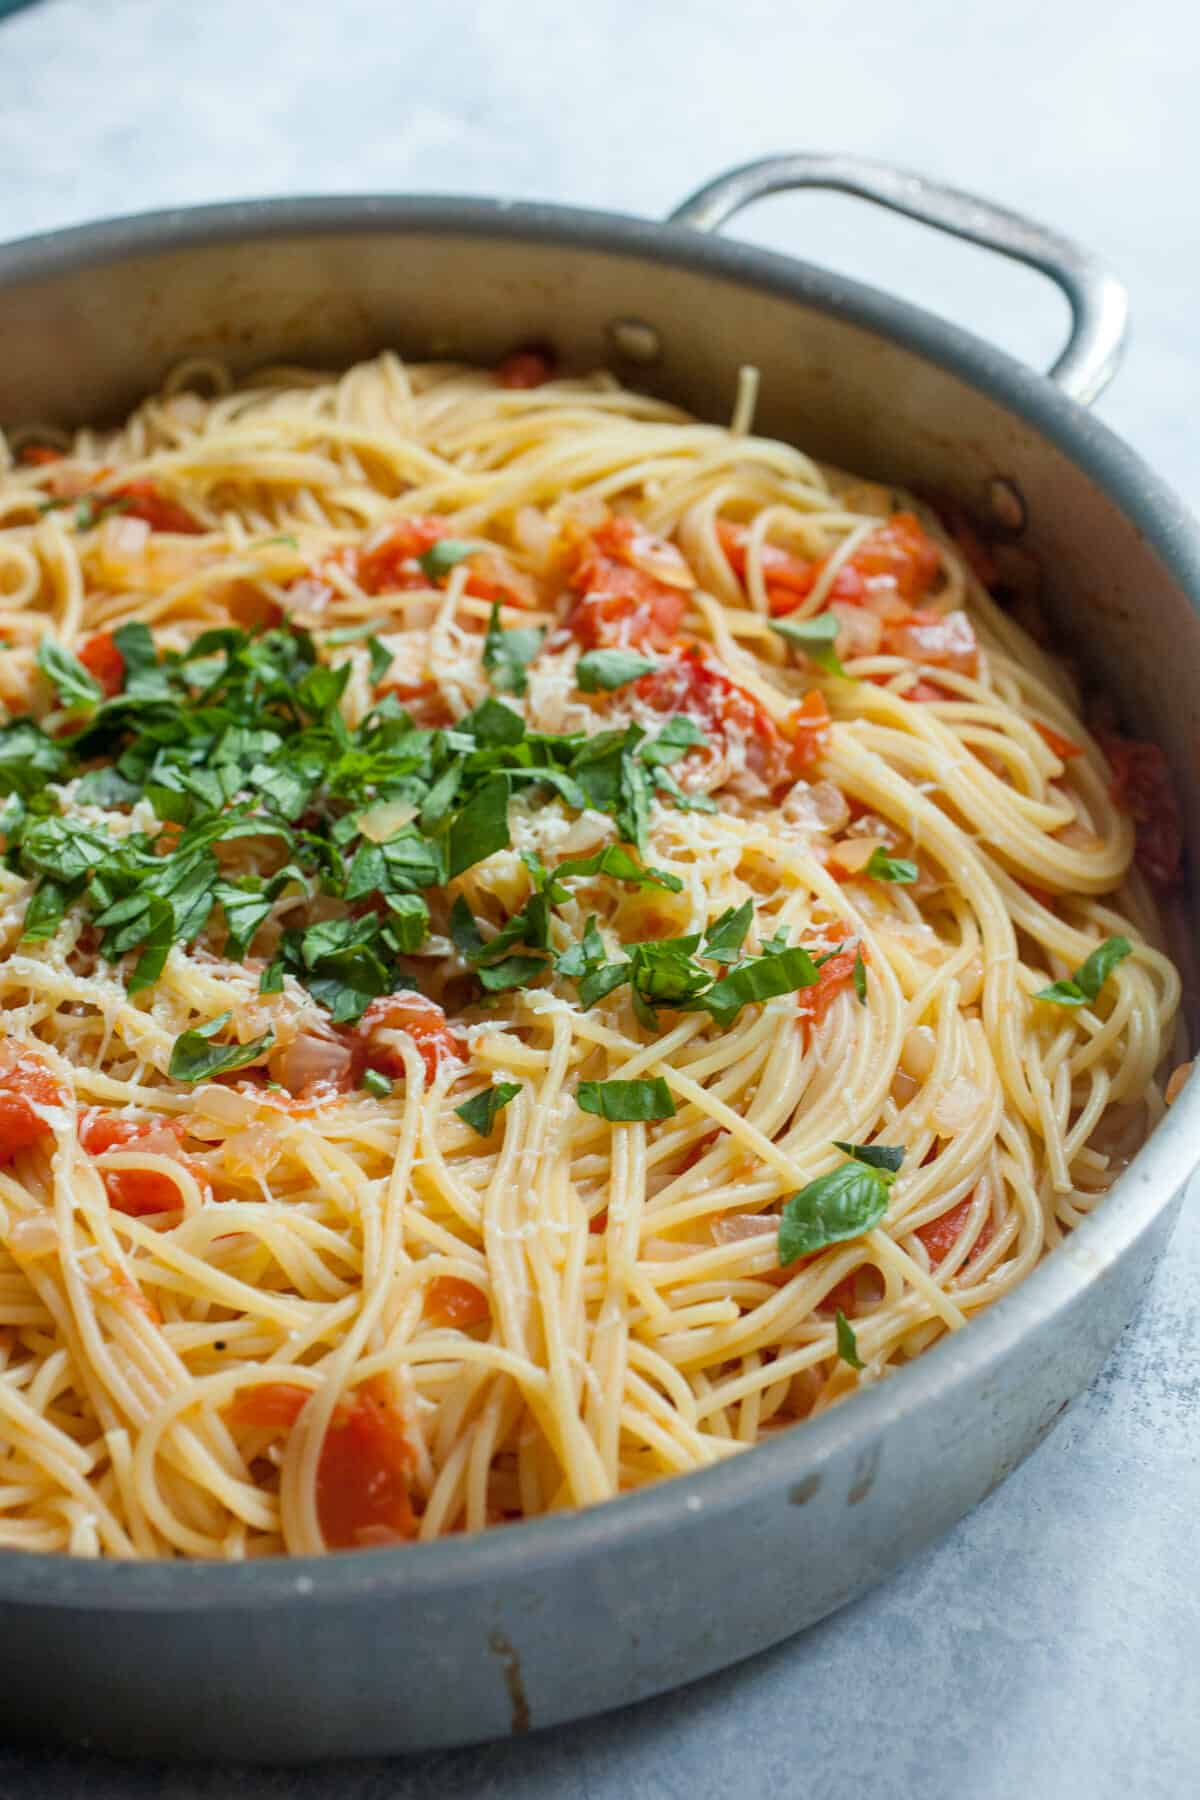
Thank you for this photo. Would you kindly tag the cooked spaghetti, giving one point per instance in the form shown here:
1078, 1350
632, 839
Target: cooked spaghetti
542, 943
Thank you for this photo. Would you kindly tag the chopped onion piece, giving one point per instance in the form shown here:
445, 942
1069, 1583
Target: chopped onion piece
957, 1105
36, 1235
383, 822
918, 1053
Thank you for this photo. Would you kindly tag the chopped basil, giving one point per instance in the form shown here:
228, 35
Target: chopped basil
481, 1110
441, 557
860, 977
195, 1058
512, 972
626, 1102
842, 1204
609, 669
762, 978
243, 735
724, 938
679, 735
816, 637
874, 1156
481, 828
616, 862
507, 653
375, 1082
1084, 986
75, 686
847, 1343
381, 660
883, 867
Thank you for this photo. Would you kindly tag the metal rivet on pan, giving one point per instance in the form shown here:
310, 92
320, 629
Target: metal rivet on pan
1007, 504
635, 340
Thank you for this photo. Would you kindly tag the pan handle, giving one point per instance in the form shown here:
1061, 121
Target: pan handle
1099, 305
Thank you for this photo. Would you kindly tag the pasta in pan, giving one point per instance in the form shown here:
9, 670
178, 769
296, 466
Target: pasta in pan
541, 943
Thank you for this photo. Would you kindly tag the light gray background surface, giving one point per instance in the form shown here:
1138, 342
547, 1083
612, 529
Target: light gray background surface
1050, 1645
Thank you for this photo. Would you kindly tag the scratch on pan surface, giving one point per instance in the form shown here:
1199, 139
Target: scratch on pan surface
510, 1662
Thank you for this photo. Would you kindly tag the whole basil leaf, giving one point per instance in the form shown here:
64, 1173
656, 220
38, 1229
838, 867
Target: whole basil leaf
845, 1203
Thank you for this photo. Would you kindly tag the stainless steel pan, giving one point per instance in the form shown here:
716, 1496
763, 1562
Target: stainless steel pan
552, 1620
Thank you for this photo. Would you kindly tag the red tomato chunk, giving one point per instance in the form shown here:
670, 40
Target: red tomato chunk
137, 1192
364, 1468
421, 1020
142, 500
101, 658
622, 596
27, 1088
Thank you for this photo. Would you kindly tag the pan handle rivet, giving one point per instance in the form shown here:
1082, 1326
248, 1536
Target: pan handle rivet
1007, 504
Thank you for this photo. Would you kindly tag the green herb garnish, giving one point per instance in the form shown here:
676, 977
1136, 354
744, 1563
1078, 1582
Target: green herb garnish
441, 557
1083, 987
842, 1204
74, 685
481, 1110
506, 654
195, 1058
816, 637
626, 1102
883, 867
609, 669
847, 1343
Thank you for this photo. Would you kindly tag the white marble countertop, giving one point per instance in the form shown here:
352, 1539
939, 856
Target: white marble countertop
1049, 1645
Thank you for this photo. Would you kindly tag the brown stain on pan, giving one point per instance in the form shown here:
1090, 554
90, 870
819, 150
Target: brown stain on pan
803, 1491
510, 1663
865, 1471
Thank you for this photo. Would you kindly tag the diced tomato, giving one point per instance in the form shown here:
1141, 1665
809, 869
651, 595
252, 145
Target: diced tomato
813, 1003
842, 1297
37, 456
944, 640
807, 729
144, 501
421, 1020
1141, 786
269, 1406
1063, 747
364, 1468
528, 368
387, 562
26, 1086
788, 578
940, 1235
451, 1301
363, 1476
136, 1192
621, 600
902, 551
492, 578
101, 658
598, 1225
688, 682
924, 691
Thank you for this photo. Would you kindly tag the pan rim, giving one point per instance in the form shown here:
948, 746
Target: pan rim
1142, 1194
